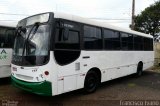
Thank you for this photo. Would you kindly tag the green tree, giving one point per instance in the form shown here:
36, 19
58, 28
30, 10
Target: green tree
148, 21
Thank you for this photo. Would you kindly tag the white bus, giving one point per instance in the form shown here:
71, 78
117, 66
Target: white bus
56, 53
6, 43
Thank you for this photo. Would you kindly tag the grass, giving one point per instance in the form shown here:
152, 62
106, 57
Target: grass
131, 84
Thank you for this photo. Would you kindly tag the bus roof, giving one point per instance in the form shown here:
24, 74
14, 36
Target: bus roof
97, 23
8, 24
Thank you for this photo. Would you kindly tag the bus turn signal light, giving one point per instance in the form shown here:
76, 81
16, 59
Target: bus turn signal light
14, 69
46, 73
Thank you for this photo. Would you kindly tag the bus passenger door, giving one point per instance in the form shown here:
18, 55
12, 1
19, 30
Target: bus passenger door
67, 55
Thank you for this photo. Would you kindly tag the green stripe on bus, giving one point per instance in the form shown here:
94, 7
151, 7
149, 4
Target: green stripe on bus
41, 88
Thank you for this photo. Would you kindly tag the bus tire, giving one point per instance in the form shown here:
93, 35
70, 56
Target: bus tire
139, 69
91, 82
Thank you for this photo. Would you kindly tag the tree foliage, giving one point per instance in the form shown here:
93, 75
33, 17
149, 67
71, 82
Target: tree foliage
148, 21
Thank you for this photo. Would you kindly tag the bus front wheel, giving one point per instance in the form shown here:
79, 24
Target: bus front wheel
91, 82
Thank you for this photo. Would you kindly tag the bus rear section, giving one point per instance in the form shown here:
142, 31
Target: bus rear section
7, 35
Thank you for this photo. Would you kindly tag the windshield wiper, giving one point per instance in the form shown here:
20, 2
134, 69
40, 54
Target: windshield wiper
36, 25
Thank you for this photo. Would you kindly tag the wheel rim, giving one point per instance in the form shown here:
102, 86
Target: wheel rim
91, 83
140, 72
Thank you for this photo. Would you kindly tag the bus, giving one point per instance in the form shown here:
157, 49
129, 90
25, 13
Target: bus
56, 53
7, 36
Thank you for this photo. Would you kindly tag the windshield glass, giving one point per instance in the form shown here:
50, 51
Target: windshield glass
32, 45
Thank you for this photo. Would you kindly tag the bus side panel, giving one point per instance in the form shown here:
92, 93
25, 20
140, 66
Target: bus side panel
69, 77
115, 64
54, 75
5, 62
150, 62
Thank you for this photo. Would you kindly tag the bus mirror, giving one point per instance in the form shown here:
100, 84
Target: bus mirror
23, 30
65, 34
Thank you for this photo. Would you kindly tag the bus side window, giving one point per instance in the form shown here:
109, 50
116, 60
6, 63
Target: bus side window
138, 43
124, 41
148, 44
112, 40
67, 39
2, 31
6, 37
9, 38
92, 38
151, 45
130, 42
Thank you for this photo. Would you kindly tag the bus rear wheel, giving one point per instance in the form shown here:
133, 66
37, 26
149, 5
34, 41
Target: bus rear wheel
91, 82
139, 69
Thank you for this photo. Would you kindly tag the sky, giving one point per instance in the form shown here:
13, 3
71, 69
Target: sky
115, 12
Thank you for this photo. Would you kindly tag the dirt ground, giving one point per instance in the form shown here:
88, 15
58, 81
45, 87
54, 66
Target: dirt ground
126, 91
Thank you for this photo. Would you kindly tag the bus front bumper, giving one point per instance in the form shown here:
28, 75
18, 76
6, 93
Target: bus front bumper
41, 88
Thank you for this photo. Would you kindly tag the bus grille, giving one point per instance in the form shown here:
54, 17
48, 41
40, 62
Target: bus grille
24, 77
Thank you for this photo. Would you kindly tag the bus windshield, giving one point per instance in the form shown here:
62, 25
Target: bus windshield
31, 46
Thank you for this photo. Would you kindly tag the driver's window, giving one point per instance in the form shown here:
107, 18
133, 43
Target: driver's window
70, 41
